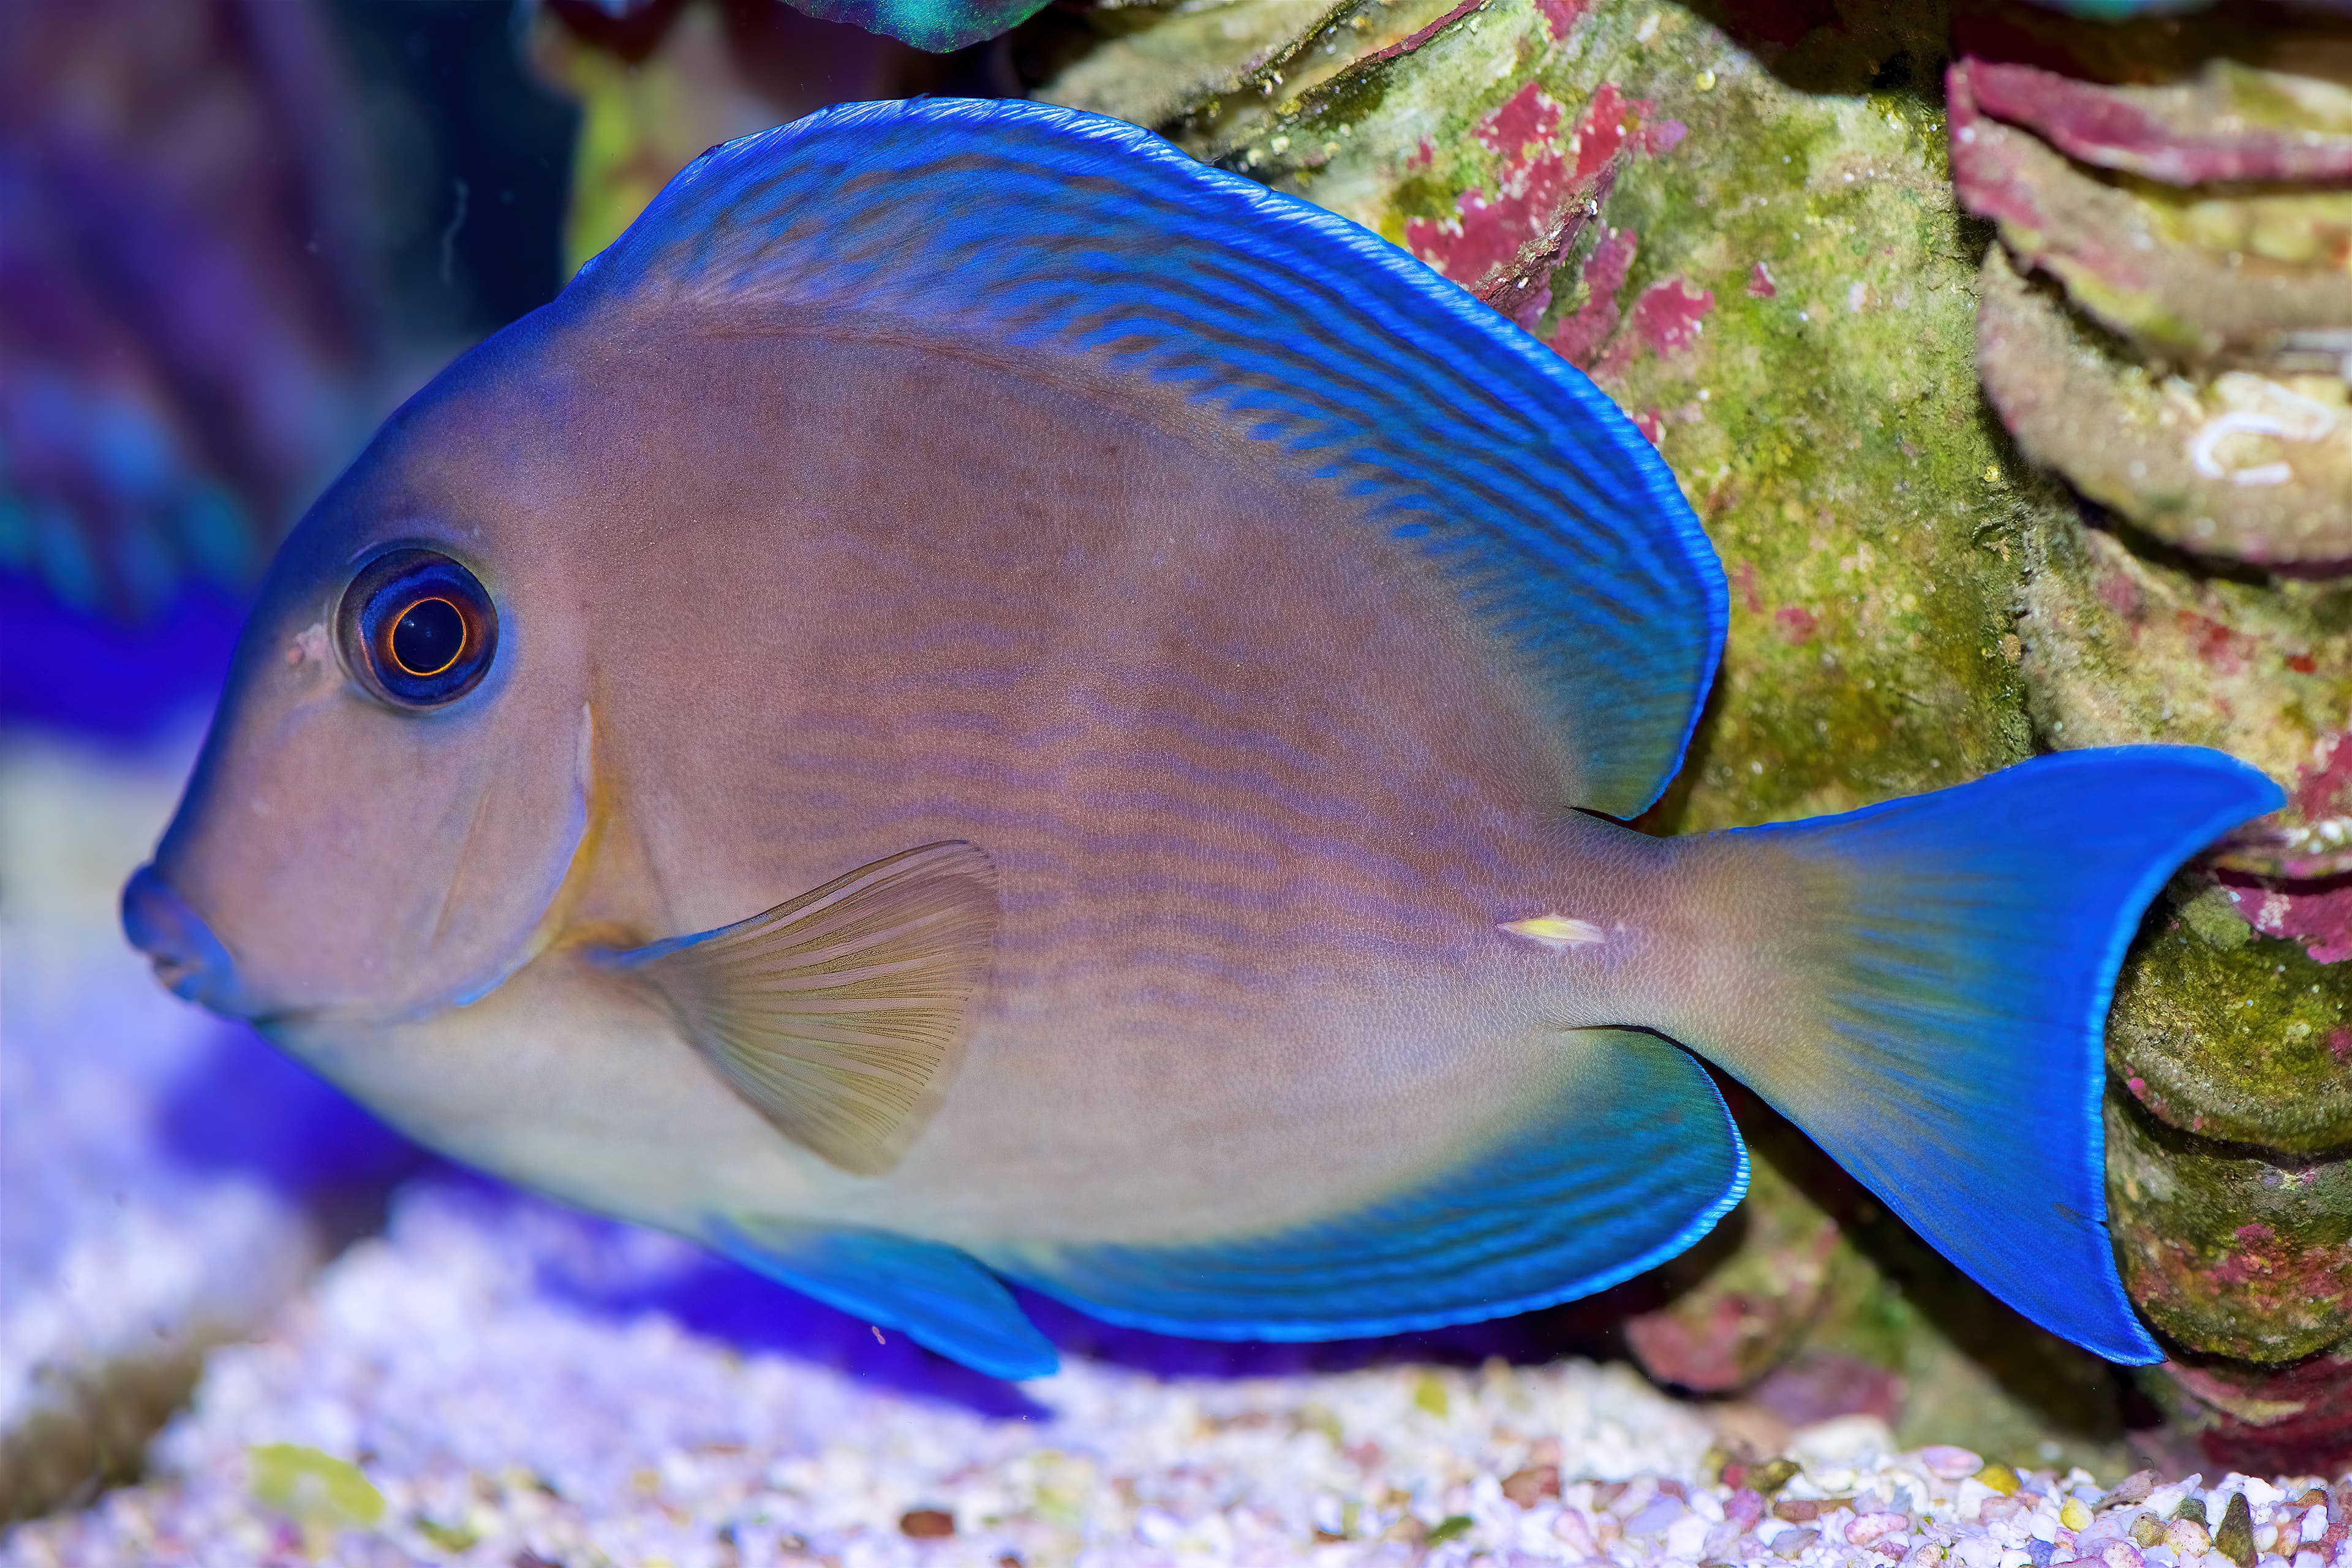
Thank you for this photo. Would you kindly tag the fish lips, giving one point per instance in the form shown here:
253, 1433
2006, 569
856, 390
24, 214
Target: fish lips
191, 962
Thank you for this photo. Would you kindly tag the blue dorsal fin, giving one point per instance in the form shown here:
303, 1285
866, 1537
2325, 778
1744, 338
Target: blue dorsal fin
1623, 1158
1062, 236
932, 1293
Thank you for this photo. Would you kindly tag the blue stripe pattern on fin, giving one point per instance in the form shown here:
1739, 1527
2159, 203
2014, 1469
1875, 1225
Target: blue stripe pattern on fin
1091, 246
1623, 1159
1971, 975
932, 1293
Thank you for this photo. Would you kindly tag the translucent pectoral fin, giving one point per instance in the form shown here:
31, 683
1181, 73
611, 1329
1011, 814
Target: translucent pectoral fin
841, 1014
932, 1293
1620, 1159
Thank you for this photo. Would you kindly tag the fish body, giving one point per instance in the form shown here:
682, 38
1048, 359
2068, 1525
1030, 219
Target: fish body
1015, 706
1020, 675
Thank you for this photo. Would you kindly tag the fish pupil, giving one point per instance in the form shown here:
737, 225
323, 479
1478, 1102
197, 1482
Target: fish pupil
415, 629
428, 636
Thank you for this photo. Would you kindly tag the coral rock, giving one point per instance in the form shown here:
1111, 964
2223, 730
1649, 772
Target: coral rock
2230, 1250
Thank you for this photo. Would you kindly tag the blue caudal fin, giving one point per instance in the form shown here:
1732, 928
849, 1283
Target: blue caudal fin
1968, 943
934, 1294
1620, 1158
1092, 254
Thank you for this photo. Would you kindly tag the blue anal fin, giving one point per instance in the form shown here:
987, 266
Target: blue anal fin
933, 1294
1620, 1158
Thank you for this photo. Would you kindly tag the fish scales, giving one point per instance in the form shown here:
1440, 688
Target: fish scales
978, 700
1227, 814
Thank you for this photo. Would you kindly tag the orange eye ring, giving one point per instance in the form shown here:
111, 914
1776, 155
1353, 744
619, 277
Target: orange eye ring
417, 629
465, 634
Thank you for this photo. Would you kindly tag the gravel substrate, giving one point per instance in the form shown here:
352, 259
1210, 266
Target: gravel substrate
500, 1412
168, 1180
124, 1251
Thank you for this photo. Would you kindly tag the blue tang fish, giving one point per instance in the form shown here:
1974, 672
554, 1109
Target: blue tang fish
978, 700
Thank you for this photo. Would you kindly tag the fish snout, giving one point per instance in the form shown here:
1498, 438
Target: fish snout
189, 958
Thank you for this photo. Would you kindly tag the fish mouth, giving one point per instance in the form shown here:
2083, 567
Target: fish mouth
176, 975
191, 962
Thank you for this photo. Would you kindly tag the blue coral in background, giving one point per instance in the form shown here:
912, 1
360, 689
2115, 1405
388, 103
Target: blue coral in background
938, 25
186, 346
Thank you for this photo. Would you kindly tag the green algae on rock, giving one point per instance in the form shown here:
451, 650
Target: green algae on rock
2233, 1036
2208, 417
2232, 1251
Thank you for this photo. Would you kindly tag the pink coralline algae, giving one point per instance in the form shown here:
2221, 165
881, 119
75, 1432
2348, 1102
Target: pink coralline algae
1611, 122
1500, 245
1488, 238
2317, 915
1542, 191
2122, 595
2320, 846
2325, 789
2243, 1267
1744, 578
1664, 319
1578, 339
1560, 16
2222, 649
2188, 133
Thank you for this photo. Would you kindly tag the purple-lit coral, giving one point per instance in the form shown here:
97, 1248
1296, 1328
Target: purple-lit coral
183, 325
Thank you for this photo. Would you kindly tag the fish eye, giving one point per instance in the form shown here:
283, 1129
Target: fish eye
417, 627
